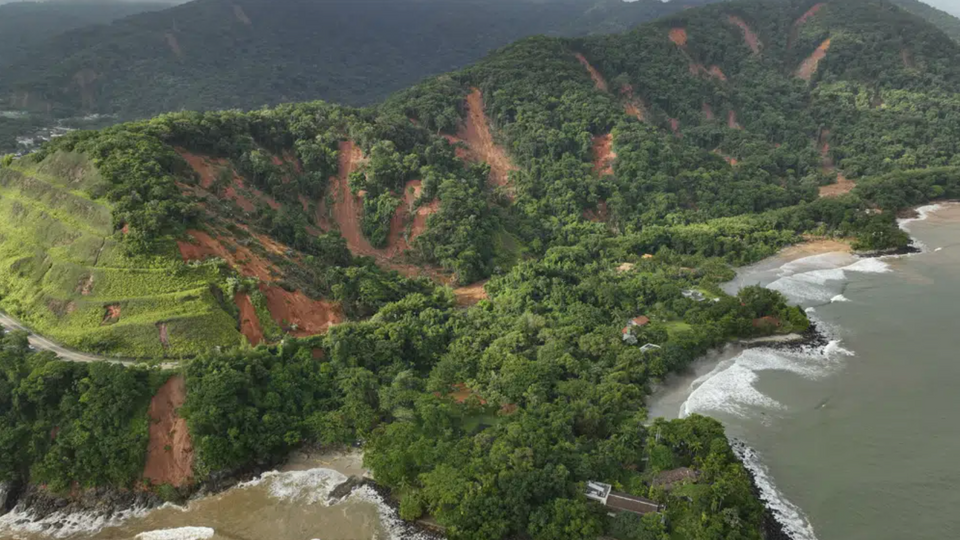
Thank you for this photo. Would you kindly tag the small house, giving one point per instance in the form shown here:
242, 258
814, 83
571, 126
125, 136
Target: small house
619, 502
694, 295
638, 322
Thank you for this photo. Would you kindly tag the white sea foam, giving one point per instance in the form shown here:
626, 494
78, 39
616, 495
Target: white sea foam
938, 249
62, 524
305, 487
923, 213
395, 527
730, 387
794, 521
181, 533
839, 298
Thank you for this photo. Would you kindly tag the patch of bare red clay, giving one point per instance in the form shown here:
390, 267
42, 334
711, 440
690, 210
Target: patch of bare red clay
679, 36
748, 35
603, 154
716, 72
598, 215
633, 106
249, 323
170, 451
809, 66
810, 13
481, 146
598, 79
842, 187
707, 111
241, 259
300, 315
471, 294
209, 169
675, 126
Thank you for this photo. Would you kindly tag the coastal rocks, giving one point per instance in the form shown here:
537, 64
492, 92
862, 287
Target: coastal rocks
344, 490
367, 489
39, 505
8, 496
772, 527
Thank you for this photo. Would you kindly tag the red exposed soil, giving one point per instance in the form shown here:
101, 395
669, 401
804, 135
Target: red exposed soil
173, 44
731, 160
598, 79
481, 146
810, 13
300, 315
111, 314
732, 120
907, 59
411, 194
209, 170
842, 187
679, 36
461, 394
707, 111
347, 207
809, 66
603, 154
471, 294
242, 259
715, 71
675, 126
170, 451
633, 106
748, 35
249, 323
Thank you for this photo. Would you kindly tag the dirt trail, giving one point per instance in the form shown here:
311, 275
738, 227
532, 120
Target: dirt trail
809, 66
598, 79
748, 35
603, 154
481, 146
170, 451
299, 314
249, 323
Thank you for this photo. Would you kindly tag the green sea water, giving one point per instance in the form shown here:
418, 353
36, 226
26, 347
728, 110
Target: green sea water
858, 440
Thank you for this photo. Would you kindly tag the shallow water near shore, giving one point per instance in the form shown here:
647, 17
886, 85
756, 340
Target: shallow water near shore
853, 440
289, 504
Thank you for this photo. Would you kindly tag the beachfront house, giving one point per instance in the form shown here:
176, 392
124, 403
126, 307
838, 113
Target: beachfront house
638, 322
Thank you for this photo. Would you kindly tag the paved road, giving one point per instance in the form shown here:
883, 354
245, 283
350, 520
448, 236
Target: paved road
43, 344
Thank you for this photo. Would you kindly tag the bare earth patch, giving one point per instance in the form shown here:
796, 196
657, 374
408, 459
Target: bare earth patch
814, 246
249, 323
809, 66
633, 106
842, 187
85, 286
173, 44
111, 314
707, 111
476, 133
732, 120
164, 334
598, 79
170, 451
240, 258
471, 294
748, 35
600, 214
679, 36
603, 154
209, 170
300, 315
810, 13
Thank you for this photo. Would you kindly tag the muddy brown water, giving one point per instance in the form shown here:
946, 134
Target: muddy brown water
290, 504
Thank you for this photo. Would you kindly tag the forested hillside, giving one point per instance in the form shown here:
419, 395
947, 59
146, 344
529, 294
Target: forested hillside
219, 54
946, 22
25, 25
489, 270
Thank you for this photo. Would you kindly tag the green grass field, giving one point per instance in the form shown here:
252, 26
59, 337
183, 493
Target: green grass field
63, 273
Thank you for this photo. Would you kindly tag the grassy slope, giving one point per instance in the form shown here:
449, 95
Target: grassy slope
54, 239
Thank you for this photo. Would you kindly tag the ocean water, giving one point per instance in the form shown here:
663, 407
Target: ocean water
856, 440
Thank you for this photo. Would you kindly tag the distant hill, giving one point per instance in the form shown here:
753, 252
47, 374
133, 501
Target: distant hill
214, 54
946, 22
24, 25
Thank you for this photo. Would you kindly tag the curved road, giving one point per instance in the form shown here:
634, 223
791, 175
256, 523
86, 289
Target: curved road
44, 344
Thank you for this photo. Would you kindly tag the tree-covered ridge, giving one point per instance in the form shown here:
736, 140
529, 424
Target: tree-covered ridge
949, 24
216, 54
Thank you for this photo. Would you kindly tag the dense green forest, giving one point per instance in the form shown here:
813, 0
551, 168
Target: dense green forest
217, 54
25, 25
710, 138
949, 24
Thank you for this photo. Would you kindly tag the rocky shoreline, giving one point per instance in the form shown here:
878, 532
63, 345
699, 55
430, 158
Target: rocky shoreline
772, 528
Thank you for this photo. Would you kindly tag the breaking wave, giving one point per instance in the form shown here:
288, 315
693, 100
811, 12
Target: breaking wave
181, 533
62, 524
304, 487
794, 521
